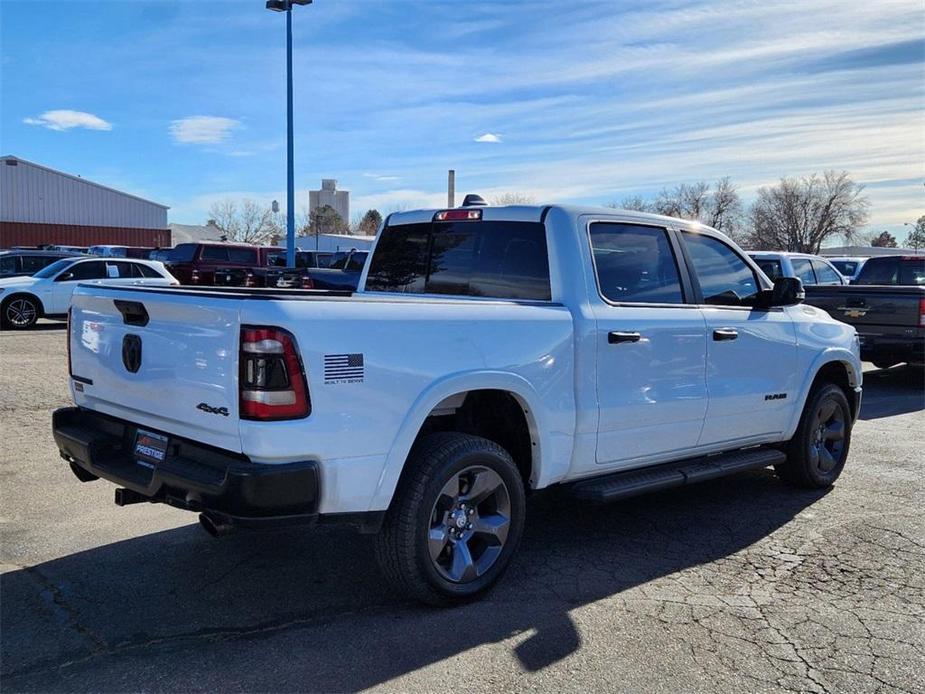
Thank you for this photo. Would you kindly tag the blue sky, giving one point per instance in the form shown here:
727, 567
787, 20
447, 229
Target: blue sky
184, 102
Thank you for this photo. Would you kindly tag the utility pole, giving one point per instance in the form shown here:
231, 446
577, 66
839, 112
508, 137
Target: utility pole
286, 6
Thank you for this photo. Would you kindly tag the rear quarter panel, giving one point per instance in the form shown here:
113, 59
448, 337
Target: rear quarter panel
415, 354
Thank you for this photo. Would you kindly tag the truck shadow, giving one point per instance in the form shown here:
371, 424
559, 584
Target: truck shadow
889, 392
302, 611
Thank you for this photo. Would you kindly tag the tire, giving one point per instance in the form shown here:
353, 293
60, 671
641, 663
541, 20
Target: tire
20, 312
443, 542
817, 453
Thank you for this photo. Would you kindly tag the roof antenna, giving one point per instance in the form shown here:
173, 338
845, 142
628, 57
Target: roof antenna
473, 200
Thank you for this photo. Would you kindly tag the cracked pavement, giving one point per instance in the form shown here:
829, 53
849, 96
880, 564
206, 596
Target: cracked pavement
735, 585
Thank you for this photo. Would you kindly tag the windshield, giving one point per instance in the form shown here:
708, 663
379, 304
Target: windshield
54, 268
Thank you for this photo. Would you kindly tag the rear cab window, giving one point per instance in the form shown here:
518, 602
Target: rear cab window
484, 258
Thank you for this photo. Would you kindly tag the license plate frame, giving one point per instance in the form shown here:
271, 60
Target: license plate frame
150, 448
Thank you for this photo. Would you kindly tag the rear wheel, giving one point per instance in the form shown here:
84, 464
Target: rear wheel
817, 452
455, 521
20, 312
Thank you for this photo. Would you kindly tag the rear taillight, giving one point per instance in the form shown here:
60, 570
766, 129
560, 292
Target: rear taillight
271, 380
922, 313
70, 371
307, 283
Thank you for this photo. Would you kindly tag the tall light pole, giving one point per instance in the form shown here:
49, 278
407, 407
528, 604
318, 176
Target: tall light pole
286, 6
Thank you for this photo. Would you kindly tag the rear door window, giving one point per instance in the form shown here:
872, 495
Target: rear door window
824, 273
724, 276
94, 270
214, 253
803, 270
635, 264
244, 256
140, 270
496, 259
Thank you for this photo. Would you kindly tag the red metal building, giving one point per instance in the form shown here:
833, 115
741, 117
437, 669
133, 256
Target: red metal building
39, 205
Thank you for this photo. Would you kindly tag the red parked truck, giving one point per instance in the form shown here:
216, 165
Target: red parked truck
196, 263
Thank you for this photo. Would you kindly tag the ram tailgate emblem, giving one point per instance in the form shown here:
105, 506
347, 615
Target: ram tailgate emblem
775, 396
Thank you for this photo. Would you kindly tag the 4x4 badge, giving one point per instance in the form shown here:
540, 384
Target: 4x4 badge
223, 411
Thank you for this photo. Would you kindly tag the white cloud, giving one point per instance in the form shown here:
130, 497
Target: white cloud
63, 119
488, 137
203, 130
381, 177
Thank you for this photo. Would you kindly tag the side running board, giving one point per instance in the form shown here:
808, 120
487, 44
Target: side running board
622, 485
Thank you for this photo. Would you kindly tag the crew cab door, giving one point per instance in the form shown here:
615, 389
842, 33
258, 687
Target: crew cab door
651, 346
752, 377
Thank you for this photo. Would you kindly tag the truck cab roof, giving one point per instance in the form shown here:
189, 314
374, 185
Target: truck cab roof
537, 213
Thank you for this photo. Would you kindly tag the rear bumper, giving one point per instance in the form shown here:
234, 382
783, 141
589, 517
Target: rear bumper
902, 348
194, 477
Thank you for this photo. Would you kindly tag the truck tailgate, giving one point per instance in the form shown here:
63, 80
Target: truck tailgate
167, 360
868, 307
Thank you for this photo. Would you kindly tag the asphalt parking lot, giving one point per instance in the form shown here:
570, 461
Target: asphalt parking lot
740, 585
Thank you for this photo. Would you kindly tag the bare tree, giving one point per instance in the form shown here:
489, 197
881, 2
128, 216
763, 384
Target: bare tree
799, 214
512, 199
244, 222
718, 206
633, 202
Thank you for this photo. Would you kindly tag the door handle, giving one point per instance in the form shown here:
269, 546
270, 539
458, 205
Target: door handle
617, 337
721, 334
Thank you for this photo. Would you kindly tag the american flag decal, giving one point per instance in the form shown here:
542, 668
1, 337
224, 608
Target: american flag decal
343, 368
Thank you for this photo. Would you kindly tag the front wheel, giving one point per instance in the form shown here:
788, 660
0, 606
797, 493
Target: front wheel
20, 312
455, 521
817, 452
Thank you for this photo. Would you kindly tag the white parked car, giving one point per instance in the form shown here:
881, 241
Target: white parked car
47, 293
489, 351
849, 268
812, 270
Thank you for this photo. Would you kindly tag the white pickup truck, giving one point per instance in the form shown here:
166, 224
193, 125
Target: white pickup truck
489, 352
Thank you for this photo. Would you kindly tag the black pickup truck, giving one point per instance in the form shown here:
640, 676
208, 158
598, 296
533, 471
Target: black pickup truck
886, 305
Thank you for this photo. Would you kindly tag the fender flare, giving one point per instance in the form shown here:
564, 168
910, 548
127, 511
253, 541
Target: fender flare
832, 355
436, 393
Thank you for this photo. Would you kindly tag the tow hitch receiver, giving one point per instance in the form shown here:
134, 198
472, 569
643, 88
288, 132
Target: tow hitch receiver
126, 497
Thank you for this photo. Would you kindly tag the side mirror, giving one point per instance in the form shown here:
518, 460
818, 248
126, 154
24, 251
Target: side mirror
788, 291
64, 277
